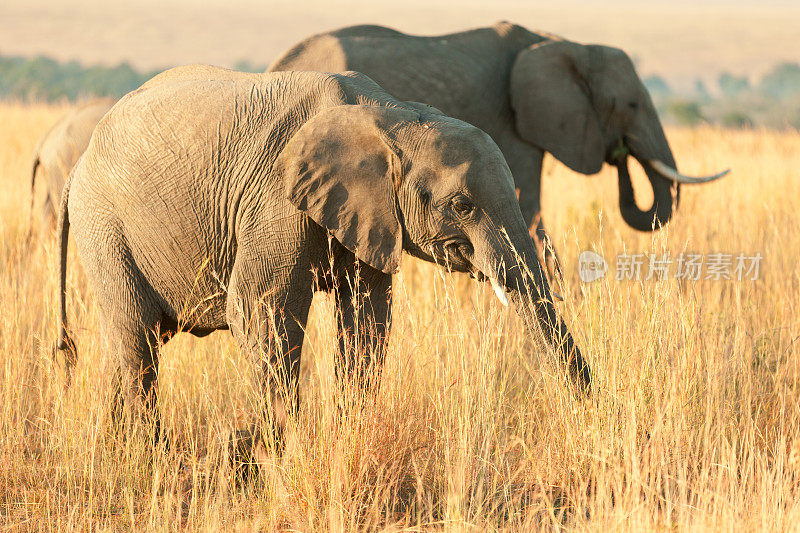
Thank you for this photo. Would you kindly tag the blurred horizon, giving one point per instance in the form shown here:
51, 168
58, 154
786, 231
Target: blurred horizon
680, 41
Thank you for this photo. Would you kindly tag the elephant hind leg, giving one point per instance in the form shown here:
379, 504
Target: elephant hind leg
136, 349
134, 322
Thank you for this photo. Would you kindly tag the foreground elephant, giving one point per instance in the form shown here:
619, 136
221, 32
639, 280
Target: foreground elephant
210, 199
531, 92
56, 154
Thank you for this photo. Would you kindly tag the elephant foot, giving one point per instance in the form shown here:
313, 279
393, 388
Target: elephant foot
185, 488
248, 453
66, 347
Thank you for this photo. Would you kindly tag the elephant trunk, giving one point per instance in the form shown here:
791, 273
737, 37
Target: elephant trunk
647, 142
666, 195
518, 272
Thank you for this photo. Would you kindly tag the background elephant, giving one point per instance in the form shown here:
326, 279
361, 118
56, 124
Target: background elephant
57, 152
206, 199
532, 92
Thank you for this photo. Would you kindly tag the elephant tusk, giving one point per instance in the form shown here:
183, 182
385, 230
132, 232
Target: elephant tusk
668, 172
498, 291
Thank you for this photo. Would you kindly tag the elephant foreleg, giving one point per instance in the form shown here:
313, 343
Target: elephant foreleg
363, 316
272, 333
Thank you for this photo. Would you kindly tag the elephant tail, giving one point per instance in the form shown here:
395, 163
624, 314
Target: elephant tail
63, 341
36, 162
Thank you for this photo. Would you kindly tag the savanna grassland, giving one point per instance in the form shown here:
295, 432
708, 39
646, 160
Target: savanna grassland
694, 421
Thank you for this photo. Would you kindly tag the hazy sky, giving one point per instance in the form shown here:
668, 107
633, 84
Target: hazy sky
679, 39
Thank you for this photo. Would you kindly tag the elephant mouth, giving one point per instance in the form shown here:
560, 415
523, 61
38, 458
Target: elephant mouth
457, 254
618, 154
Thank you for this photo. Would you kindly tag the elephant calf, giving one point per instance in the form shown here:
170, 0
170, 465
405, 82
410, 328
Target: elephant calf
209, 199
56, 154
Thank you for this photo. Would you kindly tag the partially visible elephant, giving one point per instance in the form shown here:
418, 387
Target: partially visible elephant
210, 199
532, 92
57, 152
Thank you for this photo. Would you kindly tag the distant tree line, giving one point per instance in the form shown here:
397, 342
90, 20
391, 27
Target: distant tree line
774, 101
42, 78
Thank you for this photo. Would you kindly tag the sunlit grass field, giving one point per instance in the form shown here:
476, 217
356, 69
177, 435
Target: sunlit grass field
693, 423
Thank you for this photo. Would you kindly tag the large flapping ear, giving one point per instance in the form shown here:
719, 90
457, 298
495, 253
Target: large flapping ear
340, 171
552, 104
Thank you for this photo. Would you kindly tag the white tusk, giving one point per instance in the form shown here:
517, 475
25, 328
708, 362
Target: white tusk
498, 291
668, 172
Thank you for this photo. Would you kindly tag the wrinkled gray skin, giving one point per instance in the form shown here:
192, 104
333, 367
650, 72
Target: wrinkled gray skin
531, 92
56, 154
206, 199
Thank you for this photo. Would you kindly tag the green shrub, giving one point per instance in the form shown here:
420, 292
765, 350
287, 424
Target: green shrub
736, 119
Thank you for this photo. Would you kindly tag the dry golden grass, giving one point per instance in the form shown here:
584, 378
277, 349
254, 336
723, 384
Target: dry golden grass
694, 422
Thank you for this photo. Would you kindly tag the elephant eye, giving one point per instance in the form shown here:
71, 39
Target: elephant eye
462, 206
633, 105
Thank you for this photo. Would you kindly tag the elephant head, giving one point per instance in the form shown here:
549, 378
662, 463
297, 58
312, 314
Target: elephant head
386, 179
585, 105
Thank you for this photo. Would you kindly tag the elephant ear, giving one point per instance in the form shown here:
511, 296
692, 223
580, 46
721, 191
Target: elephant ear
553, 107
340, 171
